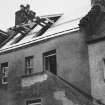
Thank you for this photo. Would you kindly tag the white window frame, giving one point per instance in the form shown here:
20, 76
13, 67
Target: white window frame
5, 74
27, 67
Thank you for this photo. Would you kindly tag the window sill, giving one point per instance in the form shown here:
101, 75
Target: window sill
32, 74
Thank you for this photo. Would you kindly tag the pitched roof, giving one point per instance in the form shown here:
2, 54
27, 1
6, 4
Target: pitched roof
37, 34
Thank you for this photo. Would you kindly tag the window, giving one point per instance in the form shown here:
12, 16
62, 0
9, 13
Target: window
34, 102
50, 63
4, 69
103, 68
29, 65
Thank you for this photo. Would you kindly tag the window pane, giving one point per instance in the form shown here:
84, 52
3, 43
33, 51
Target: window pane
50, 61
4, 68
46, 63
29, 64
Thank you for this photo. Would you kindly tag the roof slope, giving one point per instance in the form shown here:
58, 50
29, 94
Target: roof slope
40, 32
3, 36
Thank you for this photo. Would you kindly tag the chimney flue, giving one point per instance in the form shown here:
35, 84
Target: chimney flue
24, 15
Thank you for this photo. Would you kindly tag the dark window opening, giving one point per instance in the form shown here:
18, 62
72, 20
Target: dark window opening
29, 65
34, 102
44, 29
50, 62
4, 69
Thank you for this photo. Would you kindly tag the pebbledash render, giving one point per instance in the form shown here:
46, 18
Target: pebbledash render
46, 61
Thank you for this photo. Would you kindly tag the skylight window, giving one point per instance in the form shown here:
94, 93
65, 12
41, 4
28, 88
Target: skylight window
36, 30
12, 40
18, 35
15, 39
47, 23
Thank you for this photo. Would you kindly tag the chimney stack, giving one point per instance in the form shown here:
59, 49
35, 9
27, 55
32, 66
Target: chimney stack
24, 15
101, 3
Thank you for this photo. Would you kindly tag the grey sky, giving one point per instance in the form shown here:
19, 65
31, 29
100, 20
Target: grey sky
76, 8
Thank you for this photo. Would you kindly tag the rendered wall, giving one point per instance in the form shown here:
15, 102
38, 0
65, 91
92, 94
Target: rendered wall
72, 60
49, 88
97, 69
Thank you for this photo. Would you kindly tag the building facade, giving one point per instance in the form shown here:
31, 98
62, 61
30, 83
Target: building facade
94, 25
45, 62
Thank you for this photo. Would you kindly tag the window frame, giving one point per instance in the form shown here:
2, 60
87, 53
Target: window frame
29, 69
4, 66
49, 54
103, 60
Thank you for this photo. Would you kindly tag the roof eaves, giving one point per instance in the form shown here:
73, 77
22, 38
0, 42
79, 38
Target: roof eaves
39, 39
